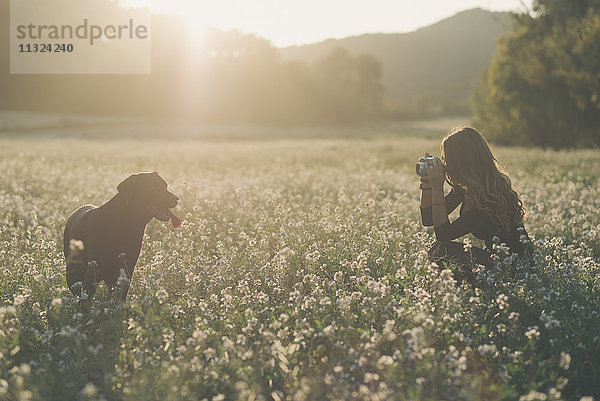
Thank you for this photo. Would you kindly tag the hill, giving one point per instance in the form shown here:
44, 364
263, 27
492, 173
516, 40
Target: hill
425, 73
430, 70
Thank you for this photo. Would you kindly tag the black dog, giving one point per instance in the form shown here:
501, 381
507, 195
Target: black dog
101, 242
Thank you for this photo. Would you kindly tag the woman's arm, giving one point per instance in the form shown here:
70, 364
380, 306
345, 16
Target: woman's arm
444, 230
453, 199
450, 231
426, 216
425, 193
439, 210
425, 189
437, 176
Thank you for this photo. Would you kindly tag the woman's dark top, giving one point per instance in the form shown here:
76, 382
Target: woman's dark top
474, 221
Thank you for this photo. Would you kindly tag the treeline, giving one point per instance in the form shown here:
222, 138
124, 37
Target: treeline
429, 72
243, 79
229, 77
543, 84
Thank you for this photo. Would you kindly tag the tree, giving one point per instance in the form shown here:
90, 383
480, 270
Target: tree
542, 86
350, 86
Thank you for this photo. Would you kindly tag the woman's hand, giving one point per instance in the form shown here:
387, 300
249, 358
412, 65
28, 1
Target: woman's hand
436, 174
424, 180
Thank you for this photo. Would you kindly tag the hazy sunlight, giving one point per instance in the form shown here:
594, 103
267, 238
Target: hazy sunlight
290, 22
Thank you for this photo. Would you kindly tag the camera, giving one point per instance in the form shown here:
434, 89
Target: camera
424, 164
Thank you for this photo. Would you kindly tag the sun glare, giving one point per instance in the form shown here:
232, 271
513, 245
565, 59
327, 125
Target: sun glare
197, 15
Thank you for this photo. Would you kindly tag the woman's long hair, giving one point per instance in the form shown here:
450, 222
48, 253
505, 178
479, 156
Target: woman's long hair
470, 164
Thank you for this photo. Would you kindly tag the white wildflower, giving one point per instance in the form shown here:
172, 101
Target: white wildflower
502, 301
162, 295
286, 253
89, 391
532, 332
565, 360
76, 245
329, 330
487, 349
384, 360
534, 396
19, 300
338, 276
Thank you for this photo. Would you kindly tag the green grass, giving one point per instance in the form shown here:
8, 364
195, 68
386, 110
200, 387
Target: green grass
300, 273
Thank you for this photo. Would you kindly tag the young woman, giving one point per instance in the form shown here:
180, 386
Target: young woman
490, 206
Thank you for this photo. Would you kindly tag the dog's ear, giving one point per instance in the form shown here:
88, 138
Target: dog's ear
127, 188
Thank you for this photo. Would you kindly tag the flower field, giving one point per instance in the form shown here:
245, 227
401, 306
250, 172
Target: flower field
300, 273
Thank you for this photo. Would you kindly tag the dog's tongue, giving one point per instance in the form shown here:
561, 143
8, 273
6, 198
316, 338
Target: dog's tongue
175, 221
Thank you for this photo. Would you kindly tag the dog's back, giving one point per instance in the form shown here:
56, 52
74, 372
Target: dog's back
76, 229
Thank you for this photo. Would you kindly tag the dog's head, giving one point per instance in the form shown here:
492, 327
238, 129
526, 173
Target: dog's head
149, 193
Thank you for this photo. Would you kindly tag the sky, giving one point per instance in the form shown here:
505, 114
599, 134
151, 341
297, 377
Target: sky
296, 22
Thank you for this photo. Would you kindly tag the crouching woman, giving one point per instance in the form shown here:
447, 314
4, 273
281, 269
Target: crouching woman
489, 205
